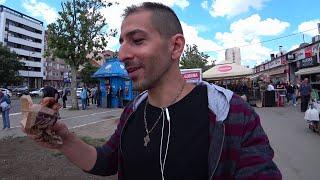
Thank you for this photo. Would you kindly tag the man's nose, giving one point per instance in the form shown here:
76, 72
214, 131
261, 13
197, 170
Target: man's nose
125, 53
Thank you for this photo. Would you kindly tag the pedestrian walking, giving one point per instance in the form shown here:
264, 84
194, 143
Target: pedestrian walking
92, 95
173, 129
88, 96
98, 96
120, 96
305, 91
64, 98
83, 97
5, 108
291, 93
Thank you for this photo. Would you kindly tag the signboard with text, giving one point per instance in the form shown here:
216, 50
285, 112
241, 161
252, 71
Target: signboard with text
192, 75
300, 54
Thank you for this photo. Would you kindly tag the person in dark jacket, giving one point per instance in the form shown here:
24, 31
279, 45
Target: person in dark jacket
291, 88
64, 98
305, 91
5, 108
173, 129
49, 91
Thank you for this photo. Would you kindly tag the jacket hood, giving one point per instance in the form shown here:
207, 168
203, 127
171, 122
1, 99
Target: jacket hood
218, 100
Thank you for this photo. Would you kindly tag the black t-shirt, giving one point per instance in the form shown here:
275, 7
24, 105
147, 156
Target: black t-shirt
187, 156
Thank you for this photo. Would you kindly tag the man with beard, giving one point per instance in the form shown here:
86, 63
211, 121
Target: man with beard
173, 129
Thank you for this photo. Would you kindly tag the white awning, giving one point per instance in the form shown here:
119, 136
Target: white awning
227, 70
311, 70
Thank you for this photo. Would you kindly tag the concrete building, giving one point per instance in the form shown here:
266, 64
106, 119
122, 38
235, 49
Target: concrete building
24, 35
232, 55
56, 71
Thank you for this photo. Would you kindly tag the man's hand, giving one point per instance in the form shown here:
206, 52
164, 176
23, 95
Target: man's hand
60, 129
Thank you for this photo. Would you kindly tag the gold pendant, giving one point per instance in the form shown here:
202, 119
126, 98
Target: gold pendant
146, 140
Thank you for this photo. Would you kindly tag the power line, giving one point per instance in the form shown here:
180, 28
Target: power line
265, 41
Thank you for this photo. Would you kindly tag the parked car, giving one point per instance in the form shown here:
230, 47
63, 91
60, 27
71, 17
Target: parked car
22, 92
79, 90
37, 93
20, 89
6, 92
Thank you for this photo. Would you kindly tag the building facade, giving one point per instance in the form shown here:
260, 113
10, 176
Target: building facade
232, 55
275, 70
56, 71
305, 63
294, 66
24, 35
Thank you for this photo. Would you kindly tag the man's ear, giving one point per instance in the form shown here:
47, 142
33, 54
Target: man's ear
176, 46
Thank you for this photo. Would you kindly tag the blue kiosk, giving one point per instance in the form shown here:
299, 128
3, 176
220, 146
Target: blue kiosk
113, 76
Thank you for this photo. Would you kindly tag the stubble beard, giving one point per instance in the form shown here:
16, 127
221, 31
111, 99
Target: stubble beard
153, 77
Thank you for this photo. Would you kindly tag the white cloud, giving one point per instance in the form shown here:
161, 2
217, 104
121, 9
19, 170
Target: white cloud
40, 9
231, 8
294, 47
308, 25
2, 1
248, 32
182, 3
202, 28
204, 5
192, 37
253, 26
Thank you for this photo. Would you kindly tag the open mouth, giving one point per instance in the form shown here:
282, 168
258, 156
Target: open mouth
132, 69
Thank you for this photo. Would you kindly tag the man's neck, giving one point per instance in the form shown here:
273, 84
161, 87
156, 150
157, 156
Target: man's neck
169, 91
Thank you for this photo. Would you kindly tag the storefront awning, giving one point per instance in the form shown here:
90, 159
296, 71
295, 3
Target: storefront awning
254, 76
311, 70
227, 71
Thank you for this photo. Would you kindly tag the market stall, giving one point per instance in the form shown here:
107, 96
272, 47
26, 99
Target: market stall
228, 75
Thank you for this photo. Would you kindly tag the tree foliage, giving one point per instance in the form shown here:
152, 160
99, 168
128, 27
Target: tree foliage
79, 30
9, 66
192, 58
87, 72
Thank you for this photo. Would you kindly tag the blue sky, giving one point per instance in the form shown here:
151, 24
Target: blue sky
215, 25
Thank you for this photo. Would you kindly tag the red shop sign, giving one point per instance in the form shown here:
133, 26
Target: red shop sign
224, 68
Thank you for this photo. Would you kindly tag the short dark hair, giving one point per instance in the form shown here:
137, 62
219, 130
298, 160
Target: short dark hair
164, 19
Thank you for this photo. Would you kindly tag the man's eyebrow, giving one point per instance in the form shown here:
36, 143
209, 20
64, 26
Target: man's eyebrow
131, 33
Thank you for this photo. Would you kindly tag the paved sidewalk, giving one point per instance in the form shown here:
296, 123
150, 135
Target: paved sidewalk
94, 122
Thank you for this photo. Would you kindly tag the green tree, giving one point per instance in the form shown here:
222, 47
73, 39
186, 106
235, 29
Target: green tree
87, 72
9, 66
192, 58
79, 30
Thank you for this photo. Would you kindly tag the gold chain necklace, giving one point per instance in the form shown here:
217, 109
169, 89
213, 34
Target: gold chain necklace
148, 132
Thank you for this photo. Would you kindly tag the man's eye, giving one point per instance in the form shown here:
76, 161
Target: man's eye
138, 41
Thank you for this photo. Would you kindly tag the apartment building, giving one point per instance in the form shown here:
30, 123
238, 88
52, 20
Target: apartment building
232, 55
56, 71
24, 35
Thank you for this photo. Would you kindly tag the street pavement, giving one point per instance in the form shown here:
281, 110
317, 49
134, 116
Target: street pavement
296, 147
72, 118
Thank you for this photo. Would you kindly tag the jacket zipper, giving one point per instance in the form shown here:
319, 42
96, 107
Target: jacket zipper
215, 168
